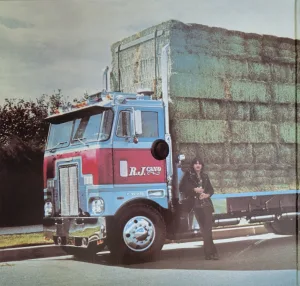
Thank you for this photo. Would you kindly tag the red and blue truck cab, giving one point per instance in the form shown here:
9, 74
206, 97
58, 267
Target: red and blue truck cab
101, 160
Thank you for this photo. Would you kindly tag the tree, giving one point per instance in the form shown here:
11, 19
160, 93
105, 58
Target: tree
23, 120
23, 134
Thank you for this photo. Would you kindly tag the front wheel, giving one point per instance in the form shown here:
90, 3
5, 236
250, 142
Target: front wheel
139, 234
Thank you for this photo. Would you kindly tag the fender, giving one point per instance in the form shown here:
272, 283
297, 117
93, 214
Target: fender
141, 201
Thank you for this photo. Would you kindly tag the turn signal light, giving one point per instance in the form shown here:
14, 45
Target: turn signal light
100, 241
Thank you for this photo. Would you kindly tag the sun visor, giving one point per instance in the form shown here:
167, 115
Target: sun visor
77, 113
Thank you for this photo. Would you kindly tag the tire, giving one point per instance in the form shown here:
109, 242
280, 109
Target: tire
137, 234
282, 227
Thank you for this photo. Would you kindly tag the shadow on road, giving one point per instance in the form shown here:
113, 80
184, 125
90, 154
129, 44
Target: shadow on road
255, 254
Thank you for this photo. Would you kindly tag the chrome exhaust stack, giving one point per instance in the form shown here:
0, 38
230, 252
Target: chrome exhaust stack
105, 78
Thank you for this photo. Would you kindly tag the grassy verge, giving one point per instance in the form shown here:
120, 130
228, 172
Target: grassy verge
25, 239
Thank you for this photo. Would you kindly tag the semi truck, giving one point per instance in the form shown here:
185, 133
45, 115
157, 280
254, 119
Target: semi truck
113, 162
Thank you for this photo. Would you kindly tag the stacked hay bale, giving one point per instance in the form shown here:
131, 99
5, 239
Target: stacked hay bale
233, 99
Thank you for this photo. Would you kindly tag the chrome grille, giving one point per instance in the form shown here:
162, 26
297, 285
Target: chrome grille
64, 191
68, 177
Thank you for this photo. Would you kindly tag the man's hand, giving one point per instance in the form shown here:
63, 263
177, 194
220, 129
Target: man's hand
204, 196
199, 190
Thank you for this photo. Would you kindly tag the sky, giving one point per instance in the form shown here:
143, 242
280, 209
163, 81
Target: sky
47, 45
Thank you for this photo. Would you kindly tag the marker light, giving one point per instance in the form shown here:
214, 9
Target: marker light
97, 206
48, 208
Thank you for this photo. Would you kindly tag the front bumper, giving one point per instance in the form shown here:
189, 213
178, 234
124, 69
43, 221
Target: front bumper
75, 231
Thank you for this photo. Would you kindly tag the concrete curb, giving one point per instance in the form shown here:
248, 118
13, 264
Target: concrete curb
224, 233
43, 251
24, 253
239, 231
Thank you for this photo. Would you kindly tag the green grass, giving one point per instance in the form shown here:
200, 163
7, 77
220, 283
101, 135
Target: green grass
6, 264
28, 239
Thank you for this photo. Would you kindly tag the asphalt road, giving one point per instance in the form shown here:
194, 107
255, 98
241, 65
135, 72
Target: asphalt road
258, 260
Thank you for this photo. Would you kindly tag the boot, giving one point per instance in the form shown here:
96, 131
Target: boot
215, 256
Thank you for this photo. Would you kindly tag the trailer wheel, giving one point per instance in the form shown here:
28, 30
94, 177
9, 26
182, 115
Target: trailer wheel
283, 227
139, 234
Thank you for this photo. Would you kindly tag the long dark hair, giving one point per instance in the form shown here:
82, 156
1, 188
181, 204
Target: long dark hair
194, 161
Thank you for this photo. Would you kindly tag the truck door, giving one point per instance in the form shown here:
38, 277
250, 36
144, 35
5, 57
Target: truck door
133, 162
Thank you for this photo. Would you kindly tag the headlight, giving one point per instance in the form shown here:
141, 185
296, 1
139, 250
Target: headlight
48, 208
97, 206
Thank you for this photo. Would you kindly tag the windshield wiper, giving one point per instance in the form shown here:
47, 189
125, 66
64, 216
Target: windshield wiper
80, 140
58, 144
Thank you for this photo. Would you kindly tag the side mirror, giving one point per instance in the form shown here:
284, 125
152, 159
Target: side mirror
138, 122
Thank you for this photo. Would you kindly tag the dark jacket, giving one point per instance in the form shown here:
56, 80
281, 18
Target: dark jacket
189, 182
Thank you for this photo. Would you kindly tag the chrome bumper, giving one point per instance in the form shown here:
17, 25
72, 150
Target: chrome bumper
72, 231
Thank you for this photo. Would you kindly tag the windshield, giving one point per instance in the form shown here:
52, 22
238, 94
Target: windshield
86, 129
59, 135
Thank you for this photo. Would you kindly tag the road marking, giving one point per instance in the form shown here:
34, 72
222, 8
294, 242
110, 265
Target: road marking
251, 246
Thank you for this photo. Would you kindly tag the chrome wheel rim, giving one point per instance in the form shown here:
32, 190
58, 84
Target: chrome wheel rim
139, 233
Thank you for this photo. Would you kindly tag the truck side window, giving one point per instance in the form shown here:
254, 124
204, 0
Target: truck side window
123, 129
106, 125
149, 124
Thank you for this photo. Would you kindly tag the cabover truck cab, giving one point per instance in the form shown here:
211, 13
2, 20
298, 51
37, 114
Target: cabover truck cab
111, 174
106, 176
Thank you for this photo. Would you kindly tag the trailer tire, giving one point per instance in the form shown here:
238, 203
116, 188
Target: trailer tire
138, 234
282, 227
